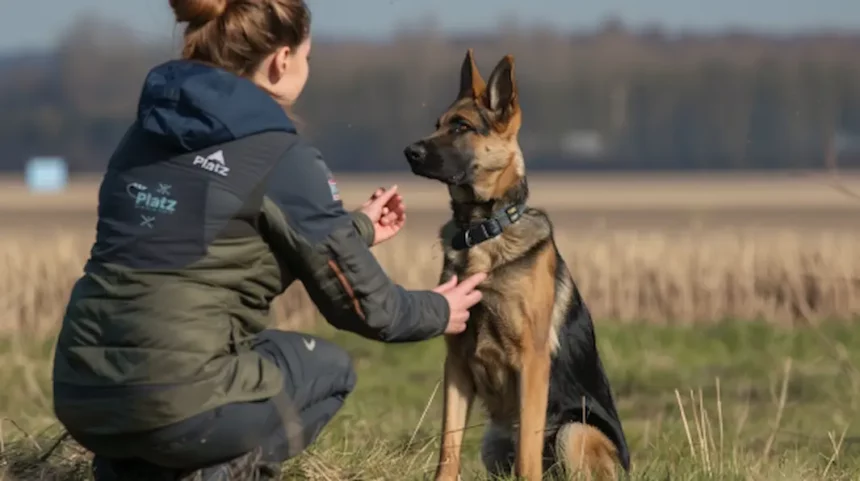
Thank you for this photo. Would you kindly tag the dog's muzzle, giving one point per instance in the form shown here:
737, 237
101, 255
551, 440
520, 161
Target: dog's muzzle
416, 153
426, 164
417, 156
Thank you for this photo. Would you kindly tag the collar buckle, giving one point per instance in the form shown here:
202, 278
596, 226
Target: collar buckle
489, 228
493, 230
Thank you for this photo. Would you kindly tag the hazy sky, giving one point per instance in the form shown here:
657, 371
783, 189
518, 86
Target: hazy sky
37, 23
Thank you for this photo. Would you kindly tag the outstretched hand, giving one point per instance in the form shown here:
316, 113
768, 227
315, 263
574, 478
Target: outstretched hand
461, 297
386, 210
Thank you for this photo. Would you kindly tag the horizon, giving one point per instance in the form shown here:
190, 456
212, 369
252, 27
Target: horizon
38, 24
455, 35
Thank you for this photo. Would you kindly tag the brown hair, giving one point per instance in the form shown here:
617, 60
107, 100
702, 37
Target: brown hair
237, 35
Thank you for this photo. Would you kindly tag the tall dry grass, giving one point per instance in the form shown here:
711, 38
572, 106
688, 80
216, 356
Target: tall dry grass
659, 278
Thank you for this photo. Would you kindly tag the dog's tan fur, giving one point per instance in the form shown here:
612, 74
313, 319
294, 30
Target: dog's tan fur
504, 356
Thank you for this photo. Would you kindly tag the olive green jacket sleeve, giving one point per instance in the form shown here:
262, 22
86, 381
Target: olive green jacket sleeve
364, 226
327, 249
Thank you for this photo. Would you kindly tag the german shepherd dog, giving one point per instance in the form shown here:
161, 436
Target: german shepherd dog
529, 350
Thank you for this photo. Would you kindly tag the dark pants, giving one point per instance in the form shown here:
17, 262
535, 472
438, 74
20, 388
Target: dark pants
318, 376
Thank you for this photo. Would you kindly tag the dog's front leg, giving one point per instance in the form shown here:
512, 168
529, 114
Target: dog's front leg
459, 392
534, 394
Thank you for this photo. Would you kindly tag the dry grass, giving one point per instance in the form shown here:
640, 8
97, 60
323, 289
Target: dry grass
700, 399
658, 278
734, 401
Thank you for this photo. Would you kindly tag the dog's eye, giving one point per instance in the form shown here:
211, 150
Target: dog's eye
461, 127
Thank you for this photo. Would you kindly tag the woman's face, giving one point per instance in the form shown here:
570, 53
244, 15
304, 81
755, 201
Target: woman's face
284, 73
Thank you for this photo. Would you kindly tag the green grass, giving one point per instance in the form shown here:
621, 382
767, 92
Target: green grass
383, 433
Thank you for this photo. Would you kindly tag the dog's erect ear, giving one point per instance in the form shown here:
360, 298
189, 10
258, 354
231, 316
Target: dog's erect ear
501, 93
472, 85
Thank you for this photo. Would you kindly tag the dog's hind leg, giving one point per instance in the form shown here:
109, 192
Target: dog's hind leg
581, 448
497, 450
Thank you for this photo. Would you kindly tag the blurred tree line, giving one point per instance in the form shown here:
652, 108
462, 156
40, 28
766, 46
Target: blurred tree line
612, 98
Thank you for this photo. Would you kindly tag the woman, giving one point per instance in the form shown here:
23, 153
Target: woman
211, 206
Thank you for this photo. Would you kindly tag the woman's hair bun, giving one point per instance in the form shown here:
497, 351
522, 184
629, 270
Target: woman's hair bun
198, 11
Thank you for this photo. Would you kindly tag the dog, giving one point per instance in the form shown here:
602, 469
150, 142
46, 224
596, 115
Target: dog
529, 351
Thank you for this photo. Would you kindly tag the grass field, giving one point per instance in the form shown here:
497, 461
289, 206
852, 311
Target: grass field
734, 295
760, 403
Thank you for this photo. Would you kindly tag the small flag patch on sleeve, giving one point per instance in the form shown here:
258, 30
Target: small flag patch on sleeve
332, 185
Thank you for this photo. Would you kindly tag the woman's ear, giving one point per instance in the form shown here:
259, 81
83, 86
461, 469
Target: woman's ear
279, 64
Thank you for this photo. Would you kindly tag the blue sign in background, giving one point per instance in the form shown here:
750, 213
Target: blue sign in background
47, 174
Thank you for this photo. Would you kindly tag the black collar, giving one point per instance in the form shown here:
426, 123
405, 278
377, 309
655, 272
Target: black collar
487, 229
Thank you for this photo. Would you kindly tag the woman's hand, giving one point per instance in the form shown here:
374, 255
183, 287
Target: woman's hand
386, 210
461, 297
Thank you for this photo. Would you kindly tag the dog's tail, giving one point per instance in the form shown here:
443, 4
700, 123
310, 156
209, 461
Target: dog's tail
581, 448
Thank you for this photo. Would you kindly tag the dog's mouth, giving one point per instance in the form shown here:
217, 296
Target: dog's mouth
457, 178
443, 175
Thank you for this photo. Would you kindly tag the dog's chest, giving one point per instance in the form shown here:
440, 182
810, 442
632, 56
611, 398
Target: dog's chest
490, 346
490, 352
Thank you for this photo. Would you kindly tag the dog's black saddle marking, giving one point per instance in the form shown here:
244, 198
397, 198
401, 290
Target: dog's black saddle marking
487, 229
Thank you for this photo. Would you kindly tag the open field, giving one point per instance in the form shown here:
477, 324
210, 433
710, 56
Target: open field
580, 190
760, 404
699, 277
662, 261
589, 202
555, 190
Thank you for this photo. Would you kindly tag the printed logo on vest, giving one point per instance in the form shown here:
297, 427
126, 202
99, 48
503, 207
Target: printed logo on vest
158, 200
213, 163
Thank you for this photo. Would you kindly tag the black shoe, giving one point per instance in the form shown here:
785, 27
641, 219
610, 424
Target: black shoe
106, 469
249, 467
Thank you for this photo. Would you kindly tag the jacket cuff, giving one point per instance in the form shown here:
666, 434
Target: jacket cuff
364, 226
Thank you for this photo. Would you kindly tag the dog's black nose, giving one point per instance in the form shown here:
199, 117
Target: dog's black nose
415, 152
